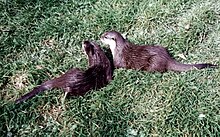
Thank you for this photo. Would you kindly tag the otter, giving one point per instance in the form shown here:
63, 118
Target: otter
77, 82
152, 58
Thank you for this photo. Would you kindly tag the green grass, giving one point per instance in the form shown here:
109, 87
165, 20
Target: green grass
41, 39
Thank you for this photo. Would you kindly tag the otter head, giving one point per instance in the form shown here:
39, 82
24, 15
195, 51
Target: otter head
114, 39
96, 56
94, 53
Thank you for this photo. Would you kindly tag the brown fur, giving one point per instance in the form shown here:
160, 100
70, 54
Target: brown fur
148, 58
77, 82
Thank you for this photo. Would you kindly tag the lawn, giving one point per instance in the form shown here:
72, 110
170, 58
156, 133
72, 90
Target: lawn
41, 39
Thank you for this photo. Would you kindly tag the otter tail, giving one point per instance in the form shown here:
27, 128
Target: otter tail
44, 86
179, 67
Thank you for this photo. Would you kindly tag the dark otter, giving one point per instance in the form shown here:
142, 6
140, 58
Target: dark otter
148, 58
77, 82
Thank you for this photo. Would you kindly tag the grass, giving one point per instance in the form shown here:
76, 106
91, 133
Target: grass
41, 39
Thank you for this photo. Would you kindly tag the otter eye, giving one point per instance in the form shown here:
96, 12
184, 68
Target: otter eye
106, 37
113, 38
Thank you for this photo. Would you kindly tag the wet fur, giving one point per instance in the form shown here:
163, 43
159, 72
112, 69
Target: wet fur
77, 82
148, 58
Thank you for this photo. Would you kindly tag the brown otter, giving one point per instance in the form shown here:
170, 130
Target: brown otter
77, 82
148, 58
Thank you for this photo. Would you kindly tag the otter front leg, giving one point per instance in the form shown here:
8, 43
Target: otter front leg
66, 91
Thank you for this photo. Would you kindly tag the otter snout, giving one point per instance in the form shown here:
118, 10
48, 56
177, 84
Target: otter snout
85, 44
